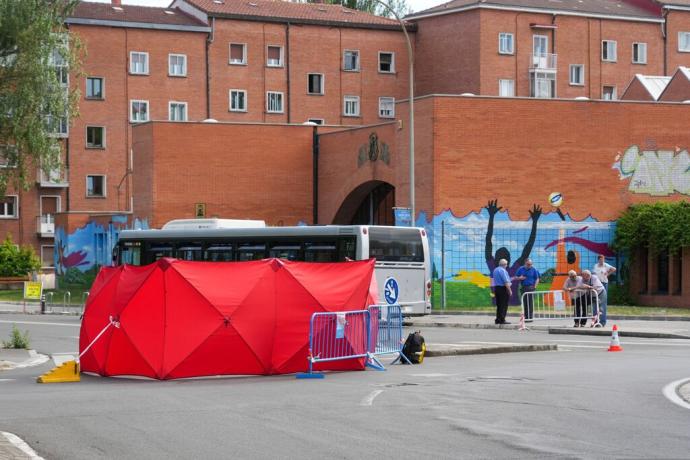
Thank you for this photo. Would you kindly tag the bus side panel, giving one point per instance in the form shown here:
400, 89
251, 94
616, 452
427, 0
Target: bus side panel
411, 285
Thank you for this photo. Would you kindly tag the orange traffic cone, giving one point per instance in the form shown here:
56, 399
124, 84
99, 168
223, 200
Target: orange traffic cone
615, 343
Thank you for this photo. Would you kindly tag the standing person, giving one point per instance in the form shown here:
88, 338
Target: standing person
594, 285
576, 290
528, 276
603, 270
502, 291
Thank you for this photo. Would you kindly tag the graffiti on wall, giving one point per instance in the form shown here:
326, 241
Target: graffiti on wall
473, 244
655, 172
80, 254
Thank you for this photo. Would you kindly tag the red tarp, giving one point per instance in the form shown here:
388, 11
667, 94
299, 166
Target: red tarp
187, 319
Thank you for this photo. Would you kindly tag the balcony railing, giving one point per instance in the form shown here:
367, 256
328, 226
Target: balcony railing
46, 226
543, 62
57, 177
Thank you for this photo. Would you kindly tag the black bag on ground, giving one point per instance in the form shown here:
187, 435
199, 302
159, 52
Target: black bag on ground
414, 348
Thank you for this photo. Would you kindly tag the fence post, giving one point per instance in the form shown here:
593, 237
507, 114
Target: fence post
43, 304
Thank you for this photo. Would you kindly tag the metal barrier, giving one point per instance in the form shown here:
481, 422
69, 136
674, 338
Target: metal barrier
581, 306
387, 331
337, 336
84, 299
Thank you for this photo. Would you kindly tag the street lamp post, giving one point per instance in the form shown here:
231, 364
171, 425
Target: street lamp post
410, 58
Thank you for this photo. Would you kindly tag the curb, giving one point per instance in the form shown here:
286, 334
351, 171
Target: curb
460, 351
473, 325
622, 333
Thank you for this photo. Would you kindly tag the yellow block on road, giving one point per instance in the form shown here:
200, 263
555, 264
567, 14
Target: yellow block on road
65, 372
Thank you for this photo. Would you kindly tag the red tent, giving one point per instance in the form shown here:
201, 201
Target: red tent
184, 319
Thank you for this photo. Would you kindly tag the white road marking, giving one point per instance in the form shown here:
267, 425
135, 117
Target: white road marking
6, 380
484, 343
672, 395
21, 445
369, 400
39, 323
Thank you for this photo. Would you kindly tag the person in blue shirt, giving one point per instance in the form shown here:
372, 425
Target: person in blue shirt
502, 291
528, 277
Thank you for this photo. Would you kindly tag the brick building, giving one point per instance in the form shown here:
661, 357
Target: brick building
199, 109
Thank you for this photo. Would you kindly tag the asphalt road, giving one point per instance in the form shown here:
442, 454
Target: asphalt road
578, 402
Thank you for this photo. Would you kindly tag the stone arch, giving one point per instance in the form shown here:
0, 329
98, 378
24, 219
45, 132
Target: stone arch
370, 203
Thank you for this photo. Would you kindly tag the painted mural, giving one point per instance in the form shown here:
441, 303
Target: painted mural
474, 243
655, 172
80, 254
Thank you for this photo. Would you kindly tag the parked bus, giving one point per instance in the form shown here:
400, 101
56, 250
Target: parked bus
403, 263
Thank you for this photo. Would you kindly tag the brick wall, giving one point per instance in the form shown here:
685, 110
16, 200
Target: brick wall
239, 171
678, 89
636, 91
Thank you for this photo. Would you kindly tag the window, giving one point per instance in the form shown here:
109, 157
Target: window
95, 137
386, 62
351, 60
577, 74
238, 53
387, 107
8, 156
505, 43
274, 56
95, 186
138, 63
177, 111
238, 100
139, 111
351, 106
47, 256
316, 121
543, 84
57, 126
608, 93
274, 102
608, 51
177, 65
94, 88
639, 53
8, 207
315, 83
684, 42
59, 62
506, 88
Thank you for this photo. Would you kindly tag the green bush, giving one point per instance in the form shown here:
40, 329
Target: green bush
17, 339
17, 261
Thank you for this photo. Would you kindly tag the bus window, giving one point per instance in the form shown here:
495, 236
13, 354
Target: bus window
320, 252
158, 251
219, 253
285, 251
130, 255
347, 249
395, 245
189, 251
251, 251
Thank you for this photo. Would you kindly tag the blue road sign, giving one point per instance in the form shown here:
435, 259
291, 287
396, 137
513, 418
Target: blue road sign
391, 291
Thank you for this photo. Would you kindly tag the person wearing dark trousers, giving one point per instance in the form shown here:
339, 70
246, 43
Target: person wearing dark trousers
528, 276
576, 290
502, 291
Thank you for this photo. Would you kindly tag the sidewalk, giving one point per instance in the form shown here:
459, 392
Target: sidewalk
628, 327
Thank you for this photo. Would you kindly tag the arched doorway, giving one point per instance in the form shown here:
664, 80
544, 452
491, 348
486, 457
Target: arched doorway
371, 203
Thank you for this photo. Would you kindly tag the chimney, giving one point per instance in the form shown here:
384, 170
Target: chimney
116, 2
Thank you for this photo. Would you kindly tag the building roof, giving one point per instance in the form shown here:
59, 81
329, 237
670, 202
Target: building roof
279, 10
654, 84
671, 3
133, 16
618, 8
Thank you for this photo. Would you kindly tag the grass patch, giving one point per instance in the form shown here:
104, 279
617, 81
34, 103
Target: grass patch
58, 295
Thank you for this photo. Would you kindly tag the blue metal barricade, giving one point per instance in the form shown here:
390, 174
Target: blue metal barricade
387, 331
336, 336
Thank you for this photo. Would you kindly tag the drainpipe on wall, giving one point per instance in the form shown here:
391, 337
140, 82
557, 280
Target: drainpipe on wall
67, 207
664, 35
287, 68
209, 40
315, 175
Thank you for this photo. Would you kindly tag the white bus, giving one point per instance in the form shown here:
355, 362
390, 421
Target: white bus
403, 264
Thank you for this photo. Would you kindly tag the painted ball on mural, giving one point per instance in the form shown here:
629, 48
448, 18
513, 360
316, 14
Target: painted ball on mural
556, 199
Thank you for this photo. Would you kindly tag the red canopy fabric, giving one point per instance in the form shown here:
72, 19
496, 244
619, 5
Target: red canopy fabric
186, 319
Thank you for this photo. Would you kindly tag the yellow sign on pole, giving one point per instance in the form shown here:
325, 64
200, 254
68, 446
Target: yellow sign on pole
33, 290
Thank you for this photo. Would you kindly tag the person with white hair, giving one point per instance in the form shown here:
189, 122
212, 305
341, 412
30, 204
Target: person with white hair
502, 291
594, 285
576, 291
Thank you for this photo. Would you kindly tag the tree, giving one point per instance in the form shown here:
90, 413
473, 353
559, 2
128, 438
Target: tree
16, 261
35, 100
370, 6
